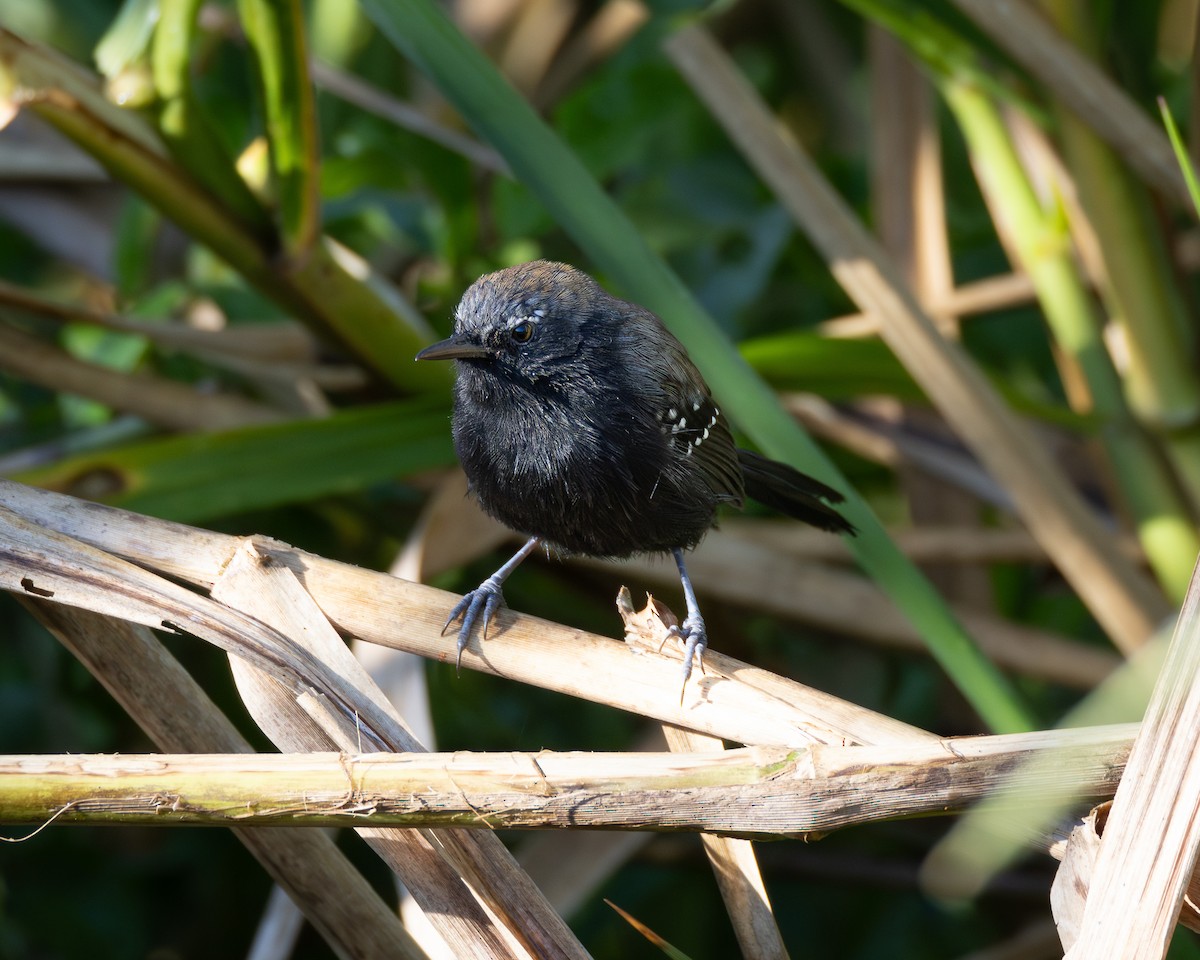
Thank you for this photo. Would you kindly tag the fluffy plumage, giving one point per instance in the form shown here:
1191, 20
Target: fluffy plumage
581, 422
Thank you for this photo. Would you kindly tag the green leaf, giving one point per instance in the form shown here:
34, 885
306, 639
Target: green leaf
197, 477
127, 38
834, 369
1181, 154
185, 129
275, 30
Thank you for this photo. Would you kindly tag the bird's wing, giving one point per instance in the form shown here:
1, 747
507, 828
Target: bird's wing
699, 432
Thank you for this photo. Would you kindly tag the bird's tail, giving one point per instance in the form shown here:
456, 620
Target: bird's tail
789, 491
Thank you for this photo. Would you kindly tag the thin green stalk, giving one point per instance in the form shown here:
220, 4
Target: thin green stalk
1181, 153
184, 128
1159, 512
556, 176
275, 30
195, 477
1141, 292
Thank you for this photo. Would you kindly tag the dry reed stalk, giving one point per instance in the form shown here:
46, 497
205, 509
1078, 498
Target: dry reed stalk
177, 715
278, 356
1151, 842
52, 566
772, 578
908, 197
602, 36
536, 31
371, 99
467, 885
760, 792
733, 700
907, 192
872, 431
937, 544
283, 341
167, 403
978, 296
1121, 597
844, 603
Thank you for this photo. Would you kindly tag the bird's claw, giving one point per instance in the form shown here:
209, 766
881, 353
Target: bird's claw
485, 599
695, 642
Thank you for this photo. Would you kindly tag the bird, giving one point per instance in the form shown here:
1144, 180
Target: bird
581, 423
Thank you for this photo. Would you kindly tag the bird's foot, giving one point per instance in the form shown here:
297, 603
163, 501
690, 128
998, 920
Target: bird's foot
484, 600
695, 642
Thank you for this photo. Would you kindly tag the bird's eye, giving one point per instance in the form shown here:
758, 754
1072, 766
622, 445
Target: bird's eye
521, 332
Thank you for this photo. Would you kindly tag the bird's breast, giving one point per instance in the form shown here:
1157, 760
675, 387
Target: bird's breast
588, 477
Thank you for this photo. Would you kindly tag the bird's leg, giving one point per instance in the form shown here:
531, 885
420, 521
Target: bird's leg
692, 631
486, 599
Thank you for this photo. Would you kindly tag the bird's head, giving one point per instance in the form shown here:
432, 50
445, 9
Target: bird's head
529, 325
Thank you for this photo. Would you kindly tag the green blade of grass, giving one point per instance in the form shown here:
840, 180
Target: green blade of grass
665, 946
196, 477
1181, 154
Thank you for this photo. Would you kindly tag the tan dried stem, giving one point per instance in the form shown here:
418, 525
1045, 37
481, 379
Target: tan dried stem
1121, 597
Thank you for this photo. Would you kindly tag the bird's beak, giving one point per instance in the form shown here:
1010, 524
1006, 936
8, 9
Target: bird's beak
454, 348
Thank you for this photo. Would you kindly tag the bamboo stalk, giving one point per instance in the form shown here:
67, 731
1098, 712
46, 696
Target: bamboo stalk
751, 791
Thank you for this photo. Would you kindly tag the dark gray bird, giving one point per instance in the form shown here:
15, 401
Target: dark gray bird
581, 422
